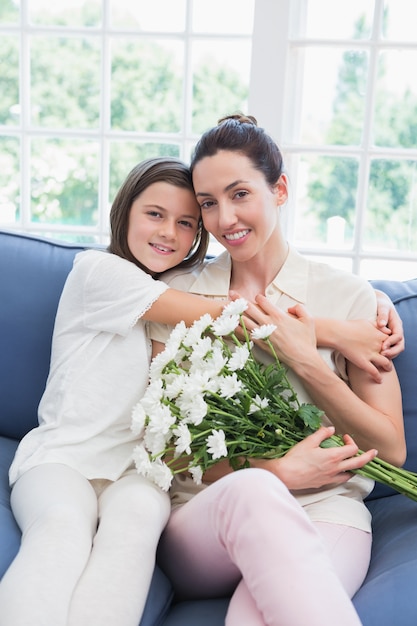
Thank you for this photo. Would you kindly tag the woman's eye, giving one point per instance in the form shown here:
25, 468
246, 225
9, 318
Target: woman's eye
241, 194
154, 213
207, 204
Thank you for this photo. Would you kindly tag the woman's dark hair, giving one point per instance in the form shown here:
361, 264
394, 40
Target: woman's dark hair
241, 133
159, 169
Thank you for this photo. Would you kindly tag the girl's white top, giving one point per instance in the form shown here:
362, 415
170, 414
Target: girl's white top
99, 369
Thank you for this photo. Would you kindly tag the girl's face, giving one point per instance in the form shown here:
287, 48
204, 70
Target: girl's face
163, 223
238, 206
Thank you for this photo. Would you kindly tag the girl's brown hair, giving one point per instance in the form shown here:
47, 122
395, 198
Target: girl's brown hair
159, 169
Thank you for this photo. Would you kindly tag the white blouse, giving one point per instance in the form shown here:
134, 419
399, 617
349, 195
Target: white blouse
99, 369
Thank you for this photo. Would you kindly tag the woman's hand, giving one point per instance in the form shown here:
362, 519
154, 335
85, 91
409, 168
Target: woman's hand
389, 322
308, 466
294, 339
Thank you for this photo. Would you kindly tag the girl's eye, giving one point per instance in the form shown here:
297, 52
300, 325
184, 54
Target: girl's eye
187, 224
154, 213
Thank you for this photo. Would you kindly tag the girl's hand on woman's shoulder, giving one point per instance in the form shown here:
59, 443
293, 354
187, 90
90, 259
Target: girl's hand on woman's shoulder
390, 322
360, 342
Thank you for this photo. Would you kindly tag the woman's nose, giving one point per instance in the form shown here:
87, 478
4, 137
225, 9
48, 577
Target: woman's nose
227, 216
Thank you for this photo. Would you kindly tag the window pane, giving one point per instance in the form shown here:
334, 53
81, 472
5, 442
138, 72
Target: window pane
146, 85
124, 155
400, 20
65, 77
65, 12
211, 17
396, 99
221, 72
388, 269
328, 19
332, 96
64, 181
9, 80
142, 15
9, 180
9, 11
391, 219
325, 201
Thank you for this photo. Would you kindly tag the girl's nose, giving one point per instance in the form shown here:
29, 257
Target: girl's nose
167, 229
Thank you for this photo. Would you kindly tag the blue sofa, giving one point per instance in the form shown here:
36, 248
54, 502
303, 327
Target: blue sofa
32, 274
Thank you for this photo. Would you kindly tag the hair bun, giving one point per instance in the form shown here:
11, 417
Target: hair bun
239, 117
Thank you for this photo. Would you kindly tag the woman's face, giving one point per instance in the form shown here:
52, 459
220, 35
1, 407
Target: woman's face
239, 208
163, 223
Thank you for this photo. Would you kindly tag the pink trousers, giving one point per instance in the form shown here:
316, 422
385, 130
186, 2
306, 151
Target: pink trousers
247, 536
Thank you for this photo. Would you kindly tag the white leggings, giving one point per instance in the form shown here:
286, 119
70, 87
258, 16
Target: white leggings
88, 549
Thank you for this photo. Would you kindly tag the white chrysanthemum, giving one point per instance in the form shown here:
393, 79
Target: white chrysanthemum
202, 346
258, 404
176, 337
161, 475
224, 326
155, 442
197, 329
138, 420
210, 367
193, 409
158, 432
151, 399
159, 362
239, 358
263, 332
216, 444
198, 382
183, 441
230, 386
196, 474
174, 385
142, 461
161, 419
235, 308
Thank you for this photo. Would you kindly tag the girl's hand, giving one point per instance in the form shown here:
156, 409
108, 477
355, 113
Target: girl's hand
360, 342
308, 466
390, 322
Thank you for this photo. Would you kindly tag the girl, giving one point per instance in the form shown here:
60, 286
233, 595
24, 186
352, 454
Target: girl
90, 524
289, 538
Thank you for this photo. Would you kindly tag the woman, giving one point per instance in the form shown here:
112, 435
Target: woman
290, 538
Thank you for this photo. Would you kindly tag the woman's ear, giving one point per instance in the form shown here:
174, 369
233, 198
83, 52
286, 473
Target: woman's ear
281, 189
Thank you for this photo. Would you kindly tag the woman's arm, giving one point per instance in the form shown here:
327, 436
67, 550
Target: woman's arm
371, 413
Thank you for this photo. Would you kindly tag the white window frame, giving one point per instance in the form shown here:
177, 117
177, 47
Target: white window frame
273, 100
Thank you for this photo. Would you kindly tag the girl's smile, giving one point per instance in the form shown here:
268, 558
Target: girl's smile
163, 223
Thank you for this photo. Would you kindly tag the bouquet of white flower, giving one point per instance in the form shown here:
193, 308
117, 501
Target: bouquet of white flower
209, 398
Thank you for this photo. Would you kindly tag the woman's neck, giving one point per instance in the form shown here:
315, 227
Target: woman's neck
252, 277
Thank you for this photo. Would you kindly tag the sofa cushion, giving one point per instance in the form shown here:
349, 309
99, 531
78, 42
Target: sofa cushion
33, 272
404, 296
387, 595
10, 533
